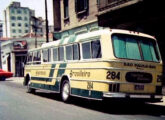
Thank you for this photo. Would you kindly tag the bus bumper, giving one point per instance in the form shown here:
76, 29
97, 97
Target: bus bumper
144, 97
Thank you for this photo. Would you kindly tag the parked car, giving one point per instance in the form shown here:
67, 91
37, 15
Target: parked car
5, 74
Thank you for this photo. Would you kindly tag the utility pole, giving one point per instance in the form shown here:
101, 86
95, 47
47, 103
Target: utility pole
35, 27
47, 29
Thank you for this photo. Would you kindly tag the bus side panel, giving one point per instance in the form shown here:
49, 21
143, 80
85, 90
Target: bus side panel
45, 76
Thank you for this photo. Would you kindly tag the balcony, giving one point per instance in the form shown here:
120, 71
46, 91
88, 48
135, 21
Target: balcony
105, 6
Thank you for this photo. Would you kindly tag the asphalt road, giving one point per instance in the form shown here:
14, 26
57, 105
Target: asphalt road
16, 104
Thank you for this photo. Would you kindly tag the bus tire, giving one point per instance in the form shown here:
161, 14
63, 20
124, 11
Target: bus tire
29, 89
65, 91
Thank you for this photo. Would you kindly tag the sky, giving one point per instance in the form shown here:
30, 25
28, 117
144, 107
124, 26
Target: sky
37, 5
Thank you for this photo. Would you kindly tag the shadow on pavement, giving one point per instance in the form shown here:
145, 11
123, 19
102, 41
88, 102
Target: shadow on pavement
112, 107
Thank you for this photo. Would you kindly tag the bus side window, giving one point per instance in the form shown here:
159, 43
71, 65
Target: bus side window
91, 50
61, 53
76, 52
46, 55
55, 54
96, 49
35, 57
29, 58
38, 57
69, 52
86, 49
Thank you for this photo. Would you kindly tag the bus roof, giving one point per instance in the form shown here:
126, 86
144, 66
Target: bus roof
77, 38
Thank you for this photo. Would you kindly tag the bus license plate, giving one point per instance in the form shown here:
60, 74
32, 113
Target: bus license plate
139, 87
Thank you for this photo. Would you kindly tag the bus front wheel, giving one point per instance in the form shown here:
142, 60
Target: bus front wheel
65, 91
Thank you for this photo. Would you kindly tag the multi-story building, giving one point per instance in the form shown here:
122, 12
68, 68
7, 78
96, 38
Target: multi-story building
37, 26
74, 16
17, 20
1, 28
146, 16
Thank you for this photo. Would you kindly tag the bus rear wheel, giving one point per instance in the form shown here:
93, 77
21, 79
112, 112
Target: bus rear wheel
65, 91
29, 89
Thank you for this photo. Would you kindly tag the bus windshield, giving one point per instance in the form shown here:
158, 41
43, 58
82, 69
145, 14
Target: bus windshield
135, 47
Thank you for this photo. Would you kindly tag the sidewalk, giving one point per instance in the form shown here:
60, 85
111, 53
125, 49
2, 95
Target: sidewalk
21, 79
16, 79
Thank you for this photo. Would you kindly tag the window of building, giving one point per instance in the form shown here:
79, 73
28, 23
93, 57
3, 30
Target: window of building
81, 7
19, 24
55, 54
19, 18
13, 31
61, 53
26, 31
91, 50
26, 25
12, 17
13, 24
19, 11
66, 9
12, 11
20, 31
25, 11
25, 18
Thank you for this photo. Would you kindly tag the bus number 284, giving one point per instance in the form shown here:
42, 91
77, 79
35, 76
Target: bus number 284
113, 75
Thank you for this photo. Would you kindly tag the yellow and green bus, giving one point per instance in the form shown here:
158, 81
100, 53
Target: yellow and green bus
106, 63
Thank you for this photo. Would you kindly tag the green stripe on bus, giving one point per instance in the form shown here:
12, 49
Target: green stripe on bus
62, 41
47, 87
72, 38
55, 87
41, 79
52, 71
61, 69
85, 93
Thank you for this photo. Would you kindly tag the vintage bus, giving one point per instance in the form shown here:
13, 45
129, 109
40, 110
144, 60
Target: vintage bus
106, 63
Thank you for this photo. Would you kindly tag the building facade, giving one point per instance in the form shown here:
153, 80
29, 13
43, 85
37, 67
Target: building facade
74, 16
145, 16
17, 20
14, 52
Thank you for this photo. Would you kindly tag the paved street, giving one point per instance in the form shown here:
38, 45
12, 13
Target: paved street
16, 104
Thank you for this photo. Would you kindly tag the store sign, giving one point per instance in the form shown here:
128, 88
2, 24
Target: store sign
20, 45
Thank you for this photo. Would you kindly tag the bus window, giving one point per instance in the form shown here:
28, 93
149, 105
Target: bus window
61, 53
69, 52
76, 55
29, 58
38, 56
96, 49
91, 50
46, 55
55, 54
35, 56
134, 47
149, 51
86, 48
